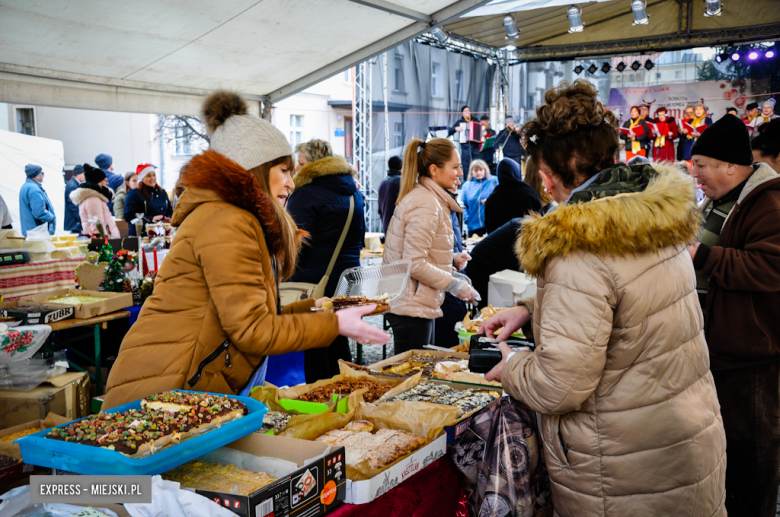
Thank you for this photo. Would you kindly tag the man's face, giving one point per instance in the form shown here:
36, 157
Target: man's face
111, 168
79, 177
767, 111
510, 124
688, 112
466, 113
715, 177
643, 111
752, 113
39, 178
485, 123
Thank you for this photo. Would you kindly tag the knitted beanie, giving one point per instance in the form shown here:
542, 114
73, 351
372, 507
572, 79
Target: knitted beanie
78, 169
93, 174
103, 160
246, 139
726, 140
31, 170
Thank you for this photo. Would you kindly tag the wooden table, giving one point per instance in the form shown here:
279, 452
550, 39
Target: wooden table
97, 323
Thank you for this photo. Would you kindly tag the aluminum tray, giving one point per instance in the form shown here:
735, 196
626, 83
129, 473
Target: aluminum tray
376, 280
85, 459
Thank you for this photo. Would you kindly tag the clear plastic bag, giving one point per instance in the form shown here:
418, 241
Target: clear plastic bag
375, 281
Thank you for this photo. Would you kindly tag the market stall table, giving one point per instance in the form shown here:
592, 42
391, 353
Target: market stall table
37, 277
97, 323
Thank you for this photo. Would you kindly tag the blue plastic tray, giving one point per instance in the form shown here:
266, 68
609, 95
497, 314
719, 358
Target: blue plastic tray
85, 459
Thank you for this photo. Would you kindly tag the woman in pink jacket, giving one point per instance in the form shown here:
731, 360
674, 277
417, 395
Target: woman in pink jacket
92, 198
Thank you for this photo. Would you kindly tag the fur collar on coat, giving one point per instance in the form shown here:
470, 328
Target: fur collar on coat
232, 184
663, 214
329, 166
88, 190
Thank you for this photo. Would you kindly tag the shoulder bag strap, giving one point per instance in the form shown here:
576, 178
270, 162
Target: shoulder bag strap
343, 236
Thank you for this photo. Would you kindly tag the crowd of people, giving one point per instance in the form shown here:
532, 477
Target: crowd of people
656, 370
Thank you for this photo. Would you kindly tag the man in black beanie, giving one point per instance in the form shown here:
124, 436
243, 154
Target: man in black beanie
737, 264
388, 191
72, 218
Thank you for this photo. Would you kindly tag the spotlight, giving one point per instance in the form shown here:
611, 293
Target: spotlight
635, 66
575, 19
735, 56
592, 69
769, 54
606, 67
639, 7
511, 48
649, 65
511, 27
753, 55
578, 69
719, 58
621, 66
712, 8
440, 35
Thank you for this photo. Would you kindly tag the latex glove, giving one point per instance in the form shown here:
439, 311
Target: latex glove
468, 294
495, 373
352, 325
511, 319
460, 260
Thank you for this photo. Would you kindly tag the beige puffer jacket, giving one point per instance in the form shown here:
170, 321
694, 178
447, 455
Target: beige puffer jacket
631, 422
421, 230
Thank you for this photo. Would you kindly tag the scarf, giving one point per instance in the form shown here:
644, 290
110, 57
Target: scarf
660, 140
618, 179
696, 122
108, 193
635, 145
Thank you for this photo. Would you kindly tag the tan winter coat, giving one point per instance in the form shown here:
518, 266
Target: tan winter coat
421, 230
630, 418
216, 283
94, 205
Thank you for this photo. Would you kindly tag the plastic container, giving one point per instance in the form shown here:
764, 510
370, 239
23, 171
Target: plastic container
23, 375
85, 459
375, 281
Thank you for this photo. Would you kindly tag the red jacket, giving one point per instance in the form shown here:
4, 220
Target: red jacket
743, 297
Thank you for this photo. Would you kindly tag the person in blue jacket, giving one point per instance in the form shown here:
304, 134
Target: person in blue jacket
475, 191
35, 208
148, 199
72, 217
105, 162
320, 205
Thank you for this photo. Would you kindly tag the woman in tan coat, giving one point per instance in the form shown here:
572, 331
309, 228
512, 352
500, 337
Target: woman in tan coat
214, 314
630, 418
421, 231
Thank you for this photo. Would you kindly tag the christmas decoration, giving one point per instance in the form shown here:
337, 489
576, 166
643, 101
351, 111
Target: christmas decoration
122, 275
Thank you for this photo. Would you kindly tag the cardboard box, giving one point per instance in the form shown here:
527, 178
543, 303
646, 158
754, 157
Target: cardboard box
508, 287
21, 469
66, 395
35, 318
361, 492
113, 301
317, 487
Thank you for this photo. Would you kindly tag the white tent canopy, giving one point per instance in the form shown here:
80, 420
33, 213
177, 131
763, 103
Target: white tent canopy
161, 57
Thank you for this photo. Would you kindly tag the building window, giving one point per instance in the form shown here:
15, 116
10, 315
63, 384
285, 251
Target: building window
631, 78
345, 75
459, 94
658, 75
182, 134
436, 80
25, 121
398, 74
296, 129
678, 74
398, 134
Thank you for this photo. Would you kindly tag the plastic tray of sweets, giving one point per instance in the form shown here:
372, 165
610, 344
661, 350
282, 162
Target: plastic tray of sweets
375, 281
86, 459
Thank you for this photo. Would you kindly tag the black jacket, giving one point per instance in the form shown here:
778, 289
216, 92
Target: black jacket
388, 195
511, 198
72, 218
509, 141
157, 204
494, 253
474, 145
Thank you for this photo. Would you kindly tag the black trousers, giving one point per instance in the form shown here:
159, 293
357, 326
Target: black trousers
444, 328
323, 363
410, 333
750, 405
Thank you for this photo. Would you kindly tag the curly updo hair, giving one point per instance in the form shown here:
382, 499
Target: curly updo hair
572, 133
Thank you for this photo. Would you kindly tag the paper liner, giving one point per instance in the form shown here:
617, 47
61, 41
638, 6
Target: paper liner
347, 373
310, 427
12, 450
466, 377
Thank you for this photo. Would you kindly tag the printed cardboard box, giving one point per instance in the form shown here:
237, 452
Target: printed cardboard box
50, 315
365, 491
113, 301
66, 395
315, 488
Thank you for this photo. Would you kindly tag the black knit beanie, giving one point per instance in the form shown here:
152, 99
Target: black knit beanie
726, 140
93, 174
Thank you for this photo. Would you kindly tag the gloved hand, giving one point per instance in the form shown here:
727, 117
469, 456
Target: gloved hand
352, 325
468, 294
460, 260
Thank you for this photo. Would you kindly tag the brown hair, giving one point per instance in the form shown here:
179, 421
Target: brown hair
418, 158
533, 178
571, 134
128, 175
291, 242
638, 111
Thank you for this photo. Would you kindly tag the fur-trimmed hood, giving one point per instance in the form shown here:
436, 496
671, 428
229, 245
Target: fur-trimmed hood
663, 214
211, 176
86, 191
329, 166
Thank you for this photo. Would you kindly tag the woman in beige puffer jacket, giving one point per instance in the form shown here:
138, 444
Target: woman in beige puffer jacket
630, 418
421, 231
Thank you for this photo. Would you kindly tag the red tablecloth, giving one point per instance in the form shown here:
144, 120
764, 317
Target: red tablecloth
37, 277
434, 491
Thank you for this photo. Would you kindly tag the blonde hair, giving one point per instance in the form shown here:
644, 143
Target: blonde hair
418, 158
702, 106
534, 178
314, 150
482, 164
291, 240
